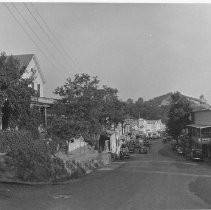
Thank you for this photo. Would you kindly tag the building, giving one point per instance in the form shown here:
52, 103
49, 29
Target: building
200, 132
30, 62
150, 126
142, 123
131, 125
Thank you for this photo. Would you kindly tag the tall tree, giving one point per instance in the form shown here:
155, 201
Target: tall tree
15, 93
178, 115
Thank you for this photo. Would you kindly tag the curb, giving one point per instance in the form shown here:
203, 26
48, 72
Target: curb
44, 183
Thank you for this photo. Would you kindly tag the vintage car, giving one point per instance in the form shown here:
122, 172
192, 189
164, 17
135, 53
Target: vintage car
180, 150
195, 154
143, 150
131, 148
124, 152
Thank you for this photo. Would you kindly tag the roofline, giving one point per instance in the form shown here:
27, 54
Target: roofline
36, 62
203, 110
21, 54
199, 126
38, 68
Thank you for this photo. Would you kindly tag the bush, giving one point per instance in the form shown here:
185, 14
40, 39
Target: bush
31, 158
59, 171
76, 168
53, 143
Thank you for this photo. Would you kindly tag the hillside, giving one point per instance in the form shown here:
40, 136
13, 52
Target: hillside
164, 100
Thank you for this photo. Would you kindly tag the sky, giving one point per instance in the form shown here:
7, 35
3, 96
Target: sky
143, 50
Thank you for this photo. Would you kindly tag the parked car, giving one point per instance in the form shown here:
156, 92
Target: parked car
164, 140
174, 147
179, 150
124, 152
154, 136
137, 144
143, 150
131, 148
147, 143
195, 154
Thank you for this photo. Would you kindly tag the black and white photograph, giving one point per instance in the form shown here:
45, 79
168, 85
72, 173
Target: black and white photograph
105, 105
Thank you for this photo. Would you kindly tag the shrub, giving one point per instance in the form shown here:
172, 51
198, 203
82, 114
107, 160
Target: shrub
53, 143
59, 171
31, 158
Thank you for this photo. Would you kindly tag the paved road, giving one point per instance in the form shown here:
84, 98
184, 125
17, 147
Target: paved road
158, 180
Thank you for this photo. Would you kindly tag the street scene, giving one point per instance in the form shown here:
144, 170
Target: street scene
156, 180
105, 106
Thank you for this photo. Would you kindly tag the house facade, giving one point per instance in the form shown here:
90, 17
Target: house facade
31, 63
150, 126
200, 132
131, 125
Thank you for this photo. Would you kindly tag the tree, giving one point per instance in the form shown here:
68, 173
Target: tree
202, 99
178, 115
140, 101
84, 108
15, 93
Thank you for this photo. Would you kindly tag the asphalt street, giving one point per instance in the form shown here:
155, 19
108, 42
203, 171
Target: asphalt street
157, 180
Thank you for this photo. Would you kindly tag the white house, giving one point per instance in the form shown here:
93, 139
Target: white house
150, 126
30, 62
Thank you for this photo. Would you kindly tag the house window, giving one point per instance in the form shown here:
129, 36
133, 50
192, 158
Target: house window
38, 90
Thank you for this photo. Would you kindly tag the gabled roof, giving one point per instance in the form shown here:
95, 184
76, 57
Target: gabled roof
198, 126
203, 110
152, 121
25, 59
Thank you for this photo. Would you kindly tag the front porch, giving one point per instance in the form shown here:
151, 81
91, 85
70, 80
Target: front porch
42, 103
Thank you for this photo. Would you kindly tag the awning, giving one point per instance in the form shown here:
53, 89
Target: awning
199, 126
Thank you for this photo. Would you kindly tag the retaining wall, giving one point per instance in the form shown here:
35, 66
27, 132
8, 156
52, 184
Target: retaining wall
75, 168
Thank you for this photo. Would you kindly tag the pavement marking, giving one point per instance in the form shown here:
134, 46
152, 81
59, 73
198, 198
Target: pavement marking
170, 173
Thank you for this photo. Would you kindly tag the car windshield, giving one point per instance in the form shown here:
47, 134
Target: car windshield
197, 153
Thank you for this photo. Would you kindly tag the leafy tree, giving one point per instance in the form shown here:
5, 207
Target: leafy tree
15, 94
129, 101
178, 115
84, 108
140, 101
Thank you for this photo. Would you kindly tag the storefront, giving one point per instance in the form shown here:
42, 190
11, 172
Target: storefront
200, 136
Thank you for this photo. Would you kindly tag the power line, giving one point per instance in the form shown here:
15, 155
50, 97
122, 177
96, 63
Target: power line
55, 38
27, 23
20, 24
44, 31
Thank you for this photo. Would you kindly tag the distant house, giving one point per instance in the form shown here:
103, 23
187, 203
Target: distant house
30, 62
130, 124
150, 126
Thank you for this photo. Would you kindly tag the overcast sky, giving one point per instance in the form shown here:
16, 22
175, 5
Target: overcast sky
143, 50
